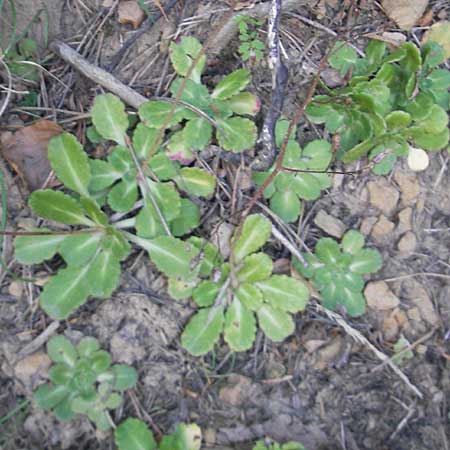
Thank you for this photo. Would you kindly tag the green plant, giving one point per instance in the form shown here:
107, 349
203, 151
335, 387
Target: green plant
393, 100
94, 250
199, 112
83, 381
336, 271
18, 57
263, 445
288, 188
251, 46
240, 289
133, 434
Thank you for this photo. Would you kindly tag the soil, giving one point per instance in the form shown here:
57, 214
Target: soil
321, 386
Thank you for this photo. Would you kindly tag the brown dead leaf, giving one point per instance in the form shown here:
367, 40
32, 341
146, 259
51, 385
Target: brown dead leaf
130, 13
392, 38
242, 4
405, 13
26, 151
426, 19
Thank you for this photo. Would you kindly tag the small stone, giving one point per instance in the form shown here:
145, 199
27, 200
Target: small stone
367, 225
409, 186
235, 392
382, 228
420, 298
421, 349
405, 220
209, 435
328, 354
130, 13
383, 195
414, 314
407, 243
380, 297
16, 289
33, 368
390, 328
332, 226
221, 237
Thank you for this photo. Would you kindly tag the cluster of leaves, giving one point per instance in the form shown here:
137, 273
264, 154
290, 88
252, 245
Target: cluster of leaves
240, 289
83, 381
336, 271
251, 47
393, 100
18, 57
94, 251
133, 434
306, 179
199, 112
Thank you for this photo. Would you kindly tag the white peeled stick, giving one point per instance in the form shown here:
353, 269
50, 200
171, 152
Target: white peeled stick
418, 159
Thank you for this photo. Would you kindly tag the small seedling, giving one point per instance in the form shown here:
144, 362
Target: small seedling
270, 445
133, 434
241, 290
251, 47
393, 101
83, 381
400, 347
336, 271
199, 112
289, 188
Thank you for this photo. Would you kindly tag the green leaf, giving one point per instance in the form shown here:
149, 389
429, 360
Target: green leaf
100, 361
352, 242
61, 350
306, 186
110, 118
358, 151
187, 220
125, 377
181, 289
428, 141
121, 159
148, 224
93, 211
285, 293
104, 275
116, 242
35, 249
193, 93
255, 232
47, 397
240, 327
342, 57
133, 434
167, 198
197, 133
420, 106
203, 330
93, 135
436, 121
281, 129
78, 249
244, 103
317, 154
57, 206
144, 139
236, 134
232, 84
123, 195
206, 293
366, 261
440, 34
286, 205
65, 292
87, 346
182, 56
154, 114
103, 175
318, 111
250, 296
171, 256
256, 267
211, 257
60, 374
354, 302
375, 51
276, 324
63, 411
397, 120
163, 167
432, 55
327, 250
70, 162
196, 181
